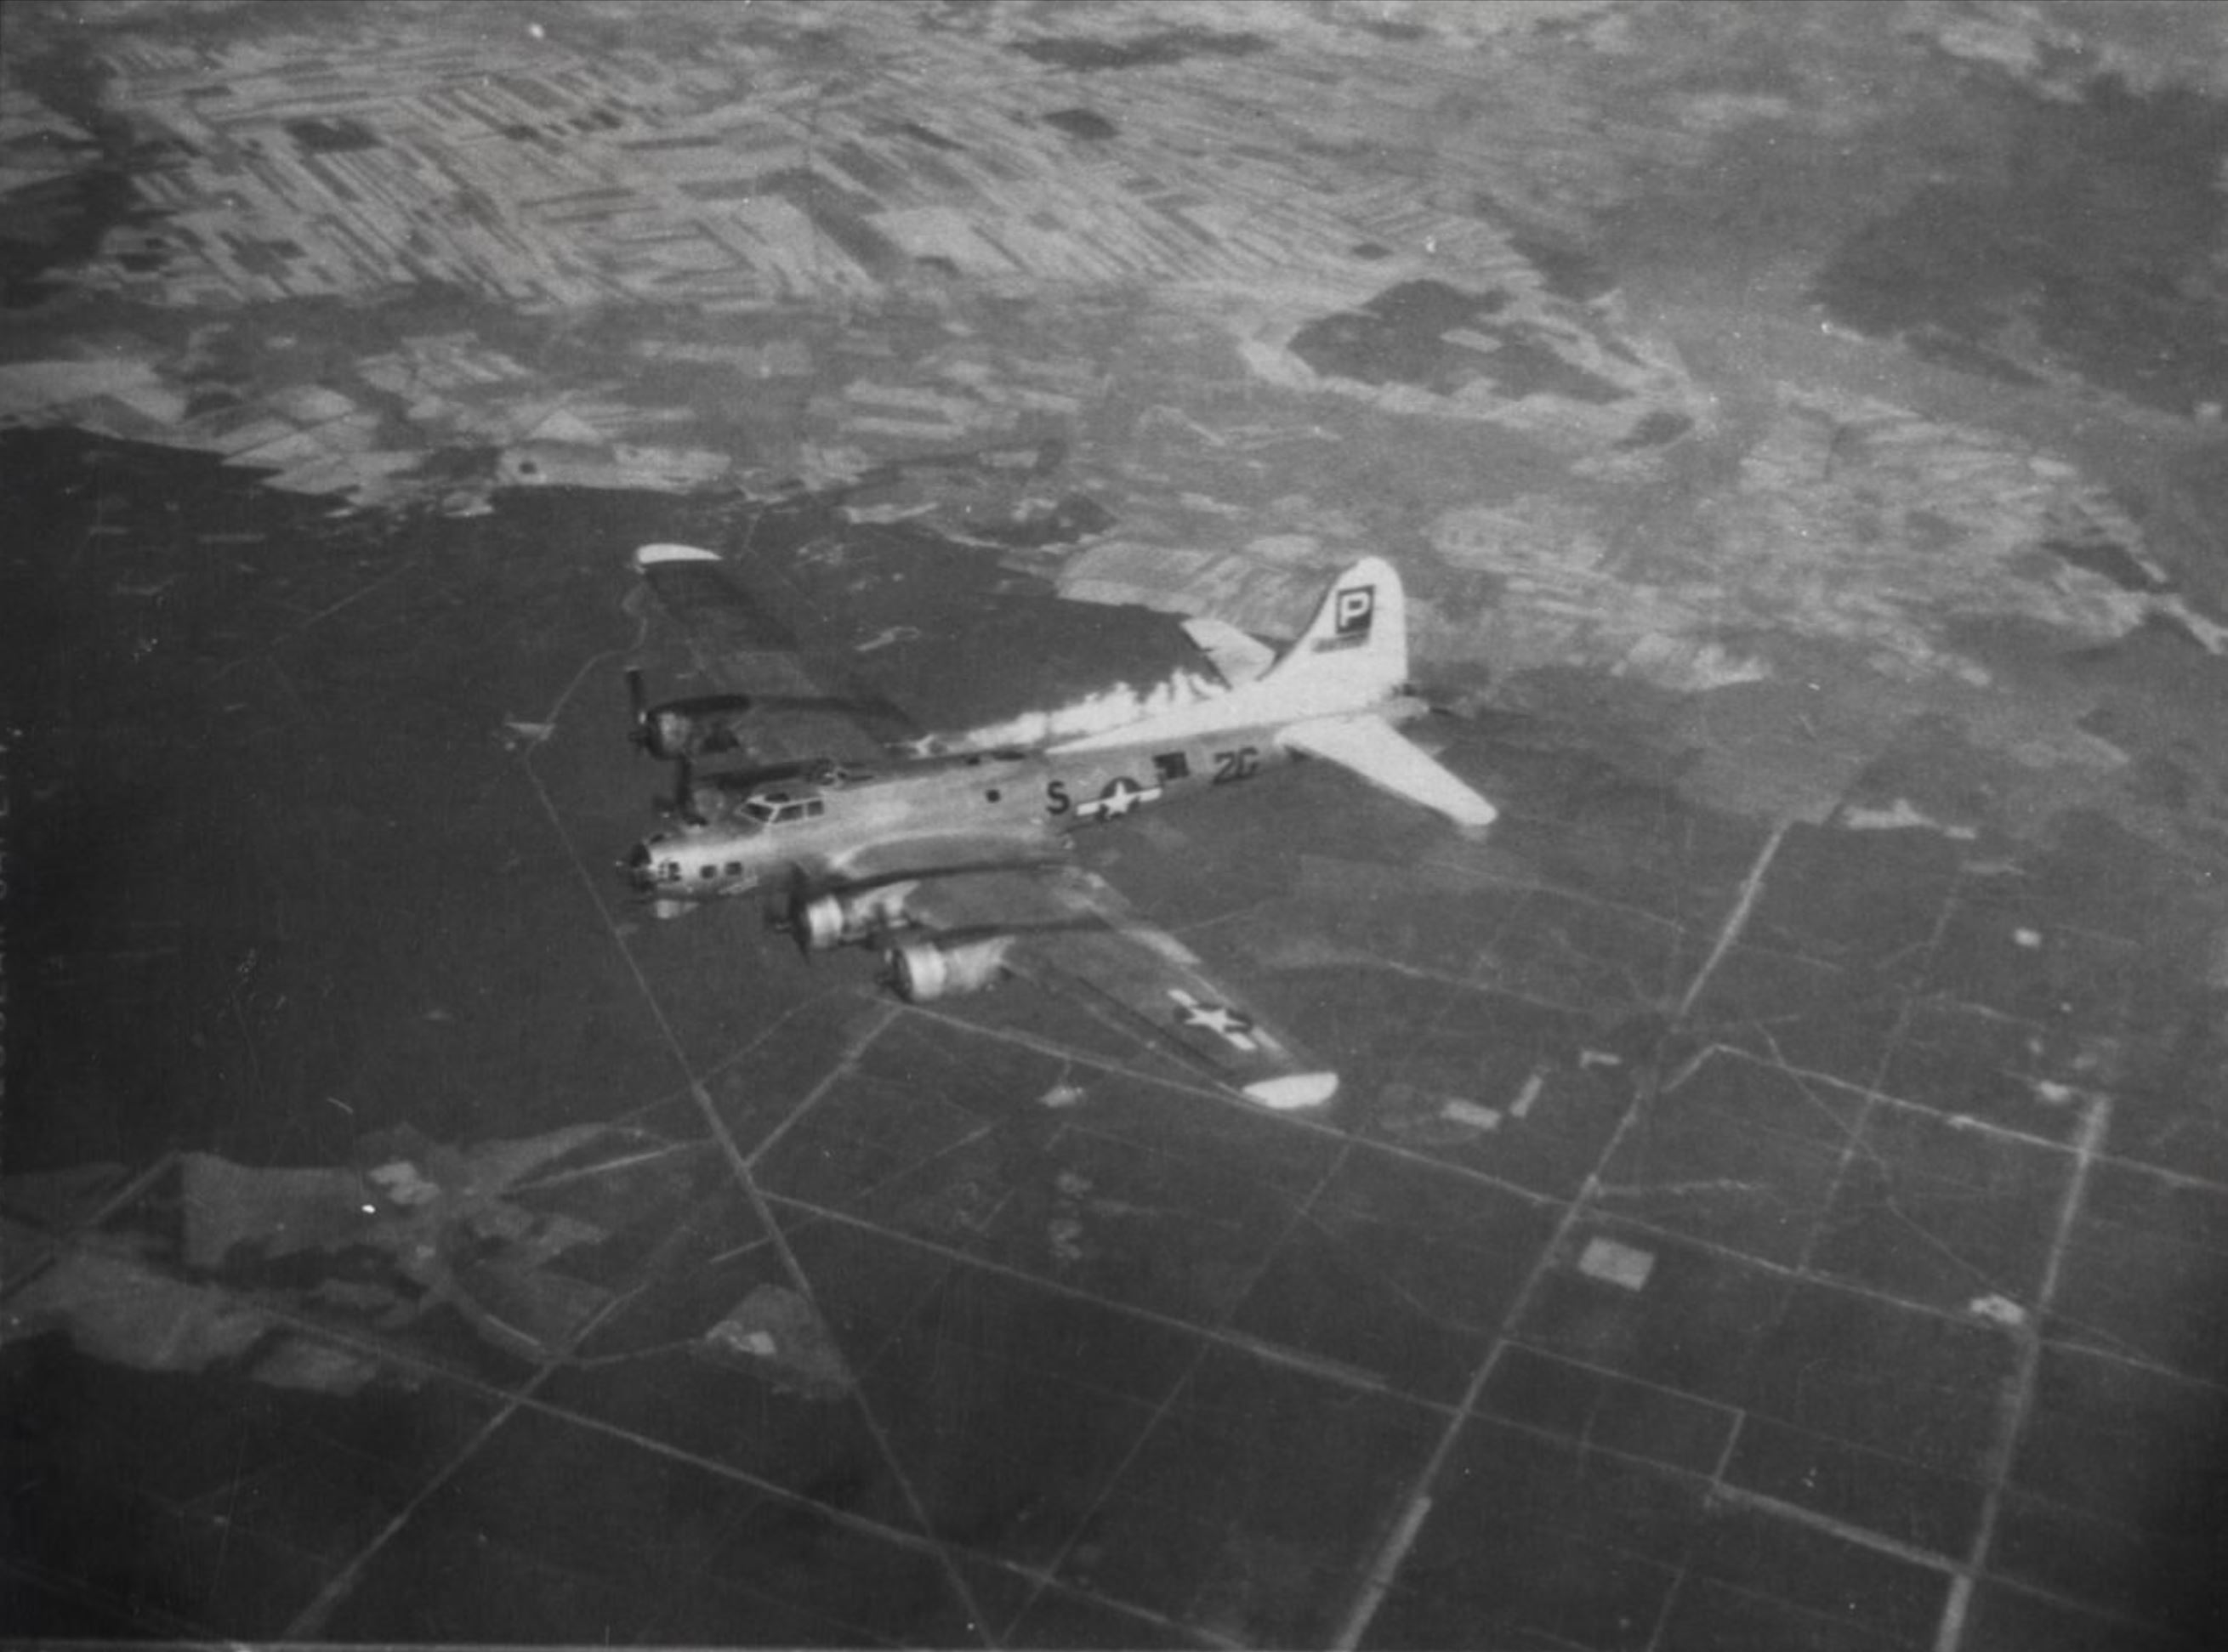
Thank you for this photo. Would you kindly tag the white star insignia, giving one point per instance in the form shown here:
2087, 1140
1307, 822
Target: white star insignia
1234, 1025
1118, 800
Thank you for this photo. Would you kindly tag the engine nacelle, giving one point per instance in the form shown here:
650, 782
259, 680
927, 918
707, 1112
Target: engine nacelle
701, 726
920, 972
838, 919
706, 726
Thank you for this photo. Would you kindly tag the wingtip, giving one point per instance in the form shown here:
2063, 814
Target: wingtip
649, 556
1294, 1092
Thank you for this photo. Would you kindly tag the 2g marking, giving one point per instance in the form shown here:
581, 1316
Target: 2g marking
1241, 764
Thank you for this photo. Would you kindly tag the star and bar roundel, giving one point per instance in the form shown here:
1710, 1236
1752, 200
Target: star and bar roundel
1234, 1027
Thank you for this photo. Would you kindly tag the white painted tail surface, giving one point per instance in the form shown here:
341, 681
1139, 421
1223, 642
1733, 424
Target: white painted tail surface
1335, 694
1237, 659
1352, 656
1354, 651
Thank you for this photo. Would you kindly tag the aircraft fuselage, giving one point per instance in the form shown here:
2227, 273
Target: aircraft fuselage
940, 807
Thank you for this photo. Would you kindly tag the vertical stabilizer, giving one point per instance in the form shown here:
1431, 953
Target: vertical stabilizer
1354, 651
1352, 656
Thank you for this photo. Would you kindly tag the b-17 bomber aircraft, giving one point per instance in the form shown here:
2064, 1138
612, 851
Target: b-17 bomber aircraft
955, 864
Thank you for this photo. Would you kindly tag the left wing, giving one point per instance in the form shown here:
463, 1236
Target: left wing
748, 650
1071, 929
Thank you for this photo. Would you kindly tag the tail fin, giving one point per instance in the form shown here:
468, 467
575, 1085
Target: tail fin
1352, 657
1356, 649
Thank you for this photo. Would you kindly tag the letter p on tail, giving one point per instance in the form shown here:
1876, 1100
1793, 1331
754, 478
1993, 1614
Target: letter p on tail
1354, 651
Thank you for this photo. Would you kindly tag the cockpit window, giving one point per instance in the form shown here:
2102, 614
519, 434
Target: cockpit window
778, 807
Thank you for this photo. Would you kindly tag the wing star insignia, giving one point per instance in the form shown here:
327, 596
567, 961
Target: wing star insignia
1234, 1025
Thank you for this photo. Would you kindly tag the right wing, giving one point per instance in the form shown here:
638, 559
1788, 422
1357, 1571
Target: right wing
1380, 754
1071, 929
747, 650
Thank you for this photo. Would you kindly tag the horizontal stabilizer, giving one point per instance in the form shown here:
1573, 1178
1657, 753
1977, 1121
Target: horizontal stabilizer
1380, 754
1238, 657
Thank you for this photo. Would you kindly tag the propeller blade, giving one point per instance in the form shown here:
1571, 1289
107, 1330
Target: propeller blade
638, 703
781, 904
684, 792
785, 912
